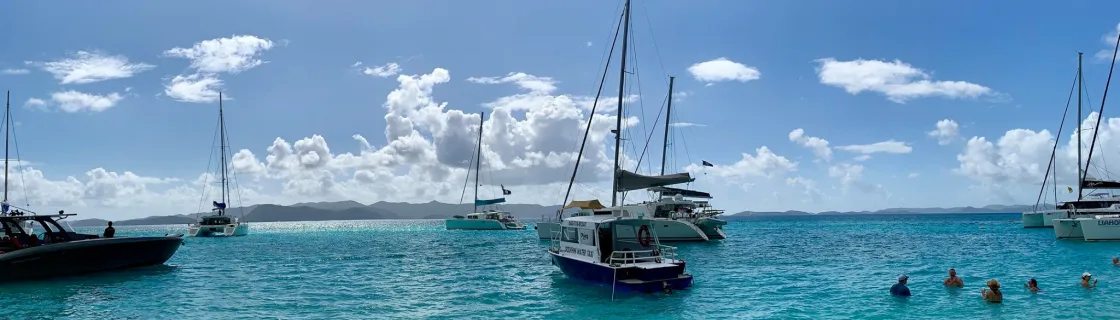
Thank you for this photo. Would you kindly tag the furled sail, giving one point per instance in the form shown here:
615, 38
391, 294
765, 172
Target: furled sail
486, 202
667, 191
628, 181
1094, 183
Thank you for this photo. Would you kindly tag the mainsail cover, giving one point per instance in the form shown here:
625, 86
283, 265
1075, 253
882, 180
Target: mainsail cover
486, 202
628, 181
667, 191
585, 204
1094, 183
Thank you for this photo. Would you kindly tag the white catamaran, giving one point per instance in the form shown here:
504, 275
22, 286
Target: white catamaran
488, 219
219, 224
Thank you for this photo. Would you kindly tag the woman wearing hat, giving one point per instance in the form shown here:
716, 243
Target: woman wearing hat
1085, 277
993, 295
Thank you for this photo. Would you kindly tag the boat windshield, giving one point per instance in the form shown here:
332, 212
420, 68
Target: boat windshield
216, 220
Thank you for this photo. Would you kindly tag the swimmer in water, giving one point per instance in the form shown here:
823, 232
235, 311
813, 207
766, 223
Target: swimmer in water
1116, 261
953, 280
1032, 285
1085, 277
899, 289
993, 295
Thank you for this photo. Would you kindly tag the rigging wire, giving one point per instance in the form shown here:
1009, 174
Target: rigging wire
1104, 97
467, 178
19, 163
1054, 150
209, 164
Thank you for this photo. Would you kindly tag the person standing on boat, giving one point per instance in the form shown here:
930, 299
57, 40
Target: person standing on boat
993, 295
953, 280
1085, 277
900, 289
109, 231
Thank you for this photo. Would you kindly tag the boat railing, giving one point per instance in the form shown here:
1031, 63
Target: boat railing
657, 254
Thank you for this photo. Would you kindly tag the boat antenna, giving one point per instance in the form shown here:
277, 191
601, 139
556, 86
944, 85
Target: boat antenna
668, 115
222, 149
1098, 125
621, 94
587, 130
478, 159
7, 130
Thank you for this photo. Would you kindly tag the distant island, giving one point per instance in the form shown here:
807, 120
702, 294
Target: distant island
932, 210
353, 210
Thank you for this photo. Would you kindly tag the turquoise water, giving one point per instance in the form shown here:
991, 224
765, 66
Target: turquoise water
788, 268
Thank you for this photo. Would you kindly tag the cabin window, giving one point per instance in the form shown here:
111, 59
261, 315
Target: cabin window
569, 234
587, 237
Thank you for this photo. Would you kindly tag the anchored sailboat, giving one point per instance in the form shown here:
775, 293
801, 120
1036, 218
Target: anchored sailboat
489, 219
219, 224
618, 246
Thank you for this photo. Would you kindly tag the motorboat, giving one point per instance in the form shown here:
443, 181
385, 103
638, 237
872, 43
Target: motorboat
617, 247
672, 219
489, 220
58, 251
219, 224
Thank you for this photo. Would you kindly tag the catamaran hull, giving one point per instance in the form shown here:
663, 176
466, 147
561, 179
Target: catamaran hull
480, 224
1068, 228
1101, 229
632, 279
1033, 220
240, 229
712, 227
86, 256
667, 231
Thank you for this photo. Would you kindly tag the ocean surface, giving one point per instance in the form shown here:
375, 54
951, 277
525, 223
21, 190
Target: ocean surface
804, 267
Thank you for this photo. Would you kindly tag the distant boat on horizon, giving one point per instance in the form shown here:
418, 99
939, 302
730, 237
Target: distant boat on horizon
489, 219
219, 224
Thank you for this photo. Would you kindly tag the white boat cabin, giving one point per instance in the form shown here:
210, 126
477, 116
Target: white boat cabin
489, 215
610, 237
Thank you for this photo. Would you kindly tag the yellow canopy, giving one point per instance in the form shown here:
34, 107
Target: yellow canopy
586, 204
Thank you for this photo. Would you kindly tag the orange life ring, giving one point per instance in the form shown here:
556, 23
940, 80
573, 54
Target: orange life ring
644, 236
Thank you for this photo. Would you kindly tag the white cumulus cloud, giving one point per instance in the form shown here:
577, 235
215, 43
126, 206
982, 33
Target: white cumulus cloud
946, 132
224, 55
819, 146
387, 70
722, 69
89, 67
195, 88
898, 81
73, 101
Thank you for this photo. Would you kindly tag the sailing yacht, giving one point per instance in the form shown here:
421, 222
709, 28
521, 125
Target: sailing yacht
219, 224
1093, 219
619, 246
676, 219
489, 219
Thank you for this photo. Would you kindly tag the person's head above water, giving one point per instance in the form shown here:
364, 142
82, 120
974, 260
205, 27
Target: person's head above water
903, 278
994, 284
1116, 260
1086, 276
952, 272
1032, 282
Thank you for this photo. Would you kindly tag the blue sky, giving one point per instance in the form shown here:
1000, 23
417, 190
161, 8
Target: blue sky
290, 72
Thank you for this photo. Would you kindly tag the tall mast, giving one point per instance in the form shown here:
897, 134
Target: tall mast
621, 93
7, 130
222, 129
478, 159
1079, 119
668, 113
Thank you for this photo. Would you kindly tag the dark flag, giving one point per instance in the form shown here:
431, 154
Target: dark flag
706, 163
505, 192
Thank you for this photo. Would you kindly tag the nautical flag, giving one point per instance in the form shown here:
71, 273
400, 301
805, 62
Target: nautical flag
1070, 189
4, 208
219, 205
505, 192
706, 163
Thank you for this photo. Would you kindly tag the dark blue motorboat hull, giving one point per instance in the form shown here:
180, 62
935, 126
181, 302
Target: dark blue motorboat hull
624, 279
86, 256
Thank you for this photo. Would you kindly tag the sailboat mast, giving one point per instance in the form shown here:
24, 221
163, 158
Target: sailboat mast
222, 130
478, 159
1079, 175
668, 114
7, 130
621, 94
